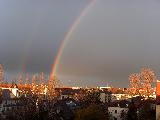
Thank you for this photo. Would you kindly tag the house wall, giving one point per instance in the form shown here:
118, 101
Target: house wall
158, 88
115, 112
105, 97
157, 112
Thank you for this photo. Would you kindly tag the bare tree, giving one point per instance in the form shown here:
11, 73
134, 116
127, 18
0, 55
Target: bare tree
51, 87
34, 85
42, 78
20, 82
1, 74
134, 83
148, 77
42, 82
27, 82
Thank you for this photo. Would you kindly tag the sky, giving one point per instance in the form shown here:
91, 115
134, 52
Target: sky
111, 41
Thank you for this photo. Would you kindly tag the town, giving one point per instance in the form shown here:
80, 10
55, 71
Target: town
36, 99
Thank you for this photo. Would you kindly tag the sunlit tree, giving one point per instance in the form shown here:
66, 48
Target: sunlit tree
20, 82
42, 82
34, 84
42, 78
1, 74
134, 83
13, 84
52, 84
27, 82
148, 77
142, 83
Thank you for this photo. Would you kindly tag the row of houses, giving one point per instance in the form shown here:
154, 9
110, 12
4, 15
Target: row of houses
117, 104
9, 101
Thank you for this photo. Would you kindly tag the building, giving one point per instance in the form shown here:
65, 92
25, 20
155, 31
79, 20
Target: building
120, 96
158, 88
157, 112
68, 92
9, 101
118, 110
105, 96
62, 109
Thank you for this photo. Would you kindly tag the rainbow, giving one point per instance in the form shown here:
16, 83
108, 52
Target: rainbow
67, 36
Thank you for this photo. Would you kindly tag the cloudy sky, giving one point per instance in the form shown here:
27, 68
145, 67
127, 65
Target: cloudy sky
114, 39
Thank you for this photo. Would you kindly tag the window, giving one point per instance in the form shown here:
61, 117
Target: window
115, 118
115, 111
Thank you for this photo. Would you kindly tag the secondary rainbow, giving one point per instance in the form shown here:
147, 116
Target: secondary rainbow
67, 36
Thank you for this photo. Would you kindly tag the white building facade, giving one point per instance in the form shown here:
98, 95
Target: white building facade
117, 113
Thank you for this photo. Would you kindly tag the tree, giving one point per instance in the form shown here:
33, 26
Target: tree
27, 83
34, 85
92, 112
135, 83
42, 83
51, 87
146, 112
140, 84
42, 78
1, 74
91, 97
20, 82
148, 77
132, 112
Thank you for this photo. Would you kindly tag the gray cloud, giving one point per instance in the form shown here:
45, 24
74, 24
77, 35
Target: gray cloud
115, 39
32, 31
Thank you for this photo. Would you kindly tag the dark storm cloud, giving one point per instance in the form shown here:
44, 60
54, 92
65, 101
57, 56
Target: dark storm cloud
32, 31
116, 38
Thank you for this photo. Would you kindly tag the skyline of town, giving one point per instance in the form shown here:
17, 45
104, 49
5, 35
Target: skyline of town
79, 60
38, 99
